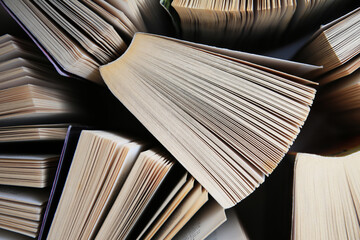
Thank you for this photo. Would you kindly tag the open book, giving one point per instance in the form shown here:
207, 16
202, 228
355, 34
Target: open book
116, 190
99, 174
227, 121
76, 47
241, 23
326, 197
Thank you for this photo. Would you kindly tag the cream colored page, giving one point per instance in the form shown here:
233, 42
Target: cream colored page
171, 208
324, 201
180, 212
190, 213
174, 193
291, 67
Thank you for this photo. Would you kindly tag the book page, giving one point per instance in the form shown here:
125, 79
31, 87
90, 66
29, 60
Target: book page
182, 211
165, 205
209, 217
291, 67
175, 202
231, 229
24, 195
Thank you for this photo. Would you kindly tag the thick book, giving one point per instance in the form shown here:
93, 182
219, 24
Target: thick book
21, 209
144, 192
99, 174
27, 170
76, 47
203, 20
249, 24
62, 170
326, 196
309, 196
35, 132
335, 46
340, 101
32, 92
229, 122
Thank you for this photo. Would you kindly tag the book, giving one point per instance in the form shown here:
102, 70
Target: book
36, 132
33, 101
128, 211
191, 204
326, 196
55, 34
227, 121
167, 210
309, 196
202, 20
340, 72
337, 101
136, 191
100, 173
77, 47
21, 209
248, 24
334, 46
31, 92
187, 201
67, 153
28, 170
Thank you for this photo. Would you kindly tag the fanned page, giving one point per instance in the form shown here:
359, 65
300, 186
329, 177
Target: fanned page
100, 166
273, 64
229, 124
196, 198
64, 42
149, 171
167, 212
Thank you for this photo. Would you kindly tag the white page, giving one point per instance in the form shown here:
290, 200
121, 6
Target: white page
231, 229
24, 195
209, 217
